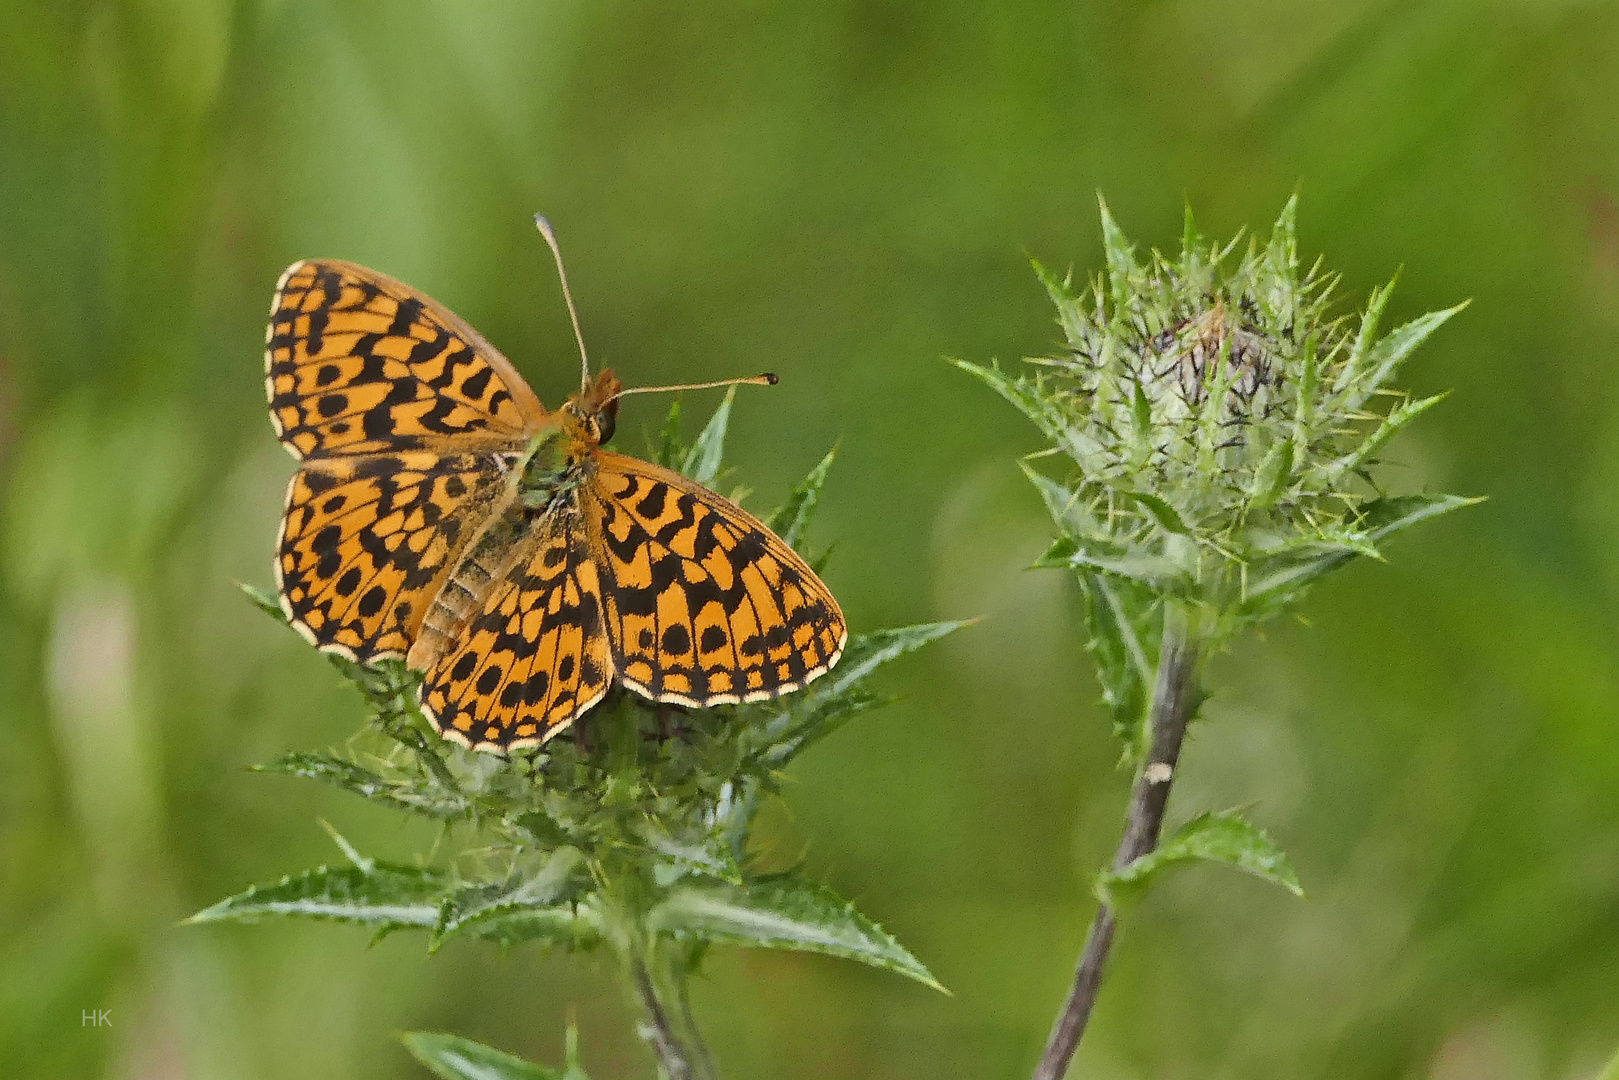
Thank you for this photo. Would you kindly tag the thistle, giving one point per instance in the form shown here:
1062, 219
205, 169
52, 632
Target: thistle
629, 833
1216, 433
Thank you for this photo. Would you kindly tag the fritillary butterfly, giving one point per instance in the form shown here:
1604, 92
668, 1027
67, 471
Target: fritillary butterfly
442, 515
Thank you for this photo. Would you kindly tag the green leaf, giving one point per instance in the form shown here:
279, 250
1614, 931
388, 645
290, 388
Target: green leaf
454, 1058
793, 517
387, 896
1120, 253
1282, 580
1224, 837
266, 602
1384, 359
1029, 399
1121, 664
1363, 454
702, 461
783, 914
865, 653
431, 800
544, 902
1087, 554
1063, 503
670, 451
1167, 517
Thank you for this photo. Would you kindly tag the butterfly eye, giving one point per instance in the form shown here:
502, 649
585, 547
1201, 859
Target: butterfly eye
605, 423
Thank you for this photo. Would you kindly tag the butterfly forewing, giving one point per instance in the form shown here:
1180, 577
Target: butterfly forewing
357, 363
705, 605
366, 543
535, 655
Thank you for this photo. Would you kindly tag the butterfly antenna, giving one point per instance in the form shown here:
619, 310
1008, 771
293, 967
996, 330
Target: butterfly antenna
567, 294
767, 378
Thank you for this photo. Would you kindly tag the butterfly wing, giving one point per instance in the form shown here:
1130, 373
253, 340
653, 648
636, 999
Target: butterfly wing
358, 363
704, 604
535, 656
367, 542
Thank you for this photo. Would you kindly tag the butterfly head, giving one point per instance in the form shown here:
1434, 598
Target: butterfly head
592, 413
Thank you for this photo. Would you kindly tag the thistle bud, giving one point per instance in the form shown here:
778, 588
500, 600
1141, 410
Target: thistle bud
1218, 419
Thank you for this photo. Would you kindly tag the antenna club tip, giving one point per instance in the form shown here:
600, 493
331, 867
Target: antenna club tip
770, 378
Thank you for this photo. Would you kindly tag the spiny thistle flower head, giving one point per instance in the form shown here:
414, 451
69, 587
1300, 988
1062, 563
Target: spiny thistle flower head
1222, 422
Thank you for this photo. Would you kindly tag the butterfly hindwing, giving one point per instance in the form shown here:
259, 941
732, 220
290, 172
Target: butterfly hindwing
535, 656
367, 542
357, 363
704, 604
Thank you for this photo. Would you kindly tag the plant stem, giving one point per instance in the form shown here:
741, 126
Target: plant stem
672, 1055
1175, 698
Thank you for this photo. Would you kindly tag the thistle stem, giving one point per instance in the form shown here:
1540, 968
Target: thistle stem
682, 1054
1175, 699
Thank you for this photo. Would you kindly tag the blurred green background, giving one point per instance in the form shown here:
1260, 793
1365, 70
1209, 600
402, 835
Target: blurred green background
843, 192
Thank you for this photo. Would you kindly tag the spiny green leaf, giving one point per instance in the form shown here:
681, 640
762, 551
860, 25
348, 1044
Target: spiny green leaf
1384, 359
1281, 580
1120, 254
1121, 663
431, 800
867, 652
264, 601
670, 452
702, 461
454, 1058
1224, 837
1063, 503
1089, 554
1363, 454
783, 914
546, 894
386, 896
1167, 517
805, 726
793, 517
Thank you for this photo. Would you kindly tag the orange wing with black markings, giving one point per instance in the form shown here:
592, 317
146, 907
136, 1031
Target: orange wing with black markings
367, 543
535, 656
358, 363
704, 604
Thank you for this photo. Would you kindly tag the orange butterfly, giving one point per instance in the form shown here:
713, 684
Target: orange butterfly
441, 514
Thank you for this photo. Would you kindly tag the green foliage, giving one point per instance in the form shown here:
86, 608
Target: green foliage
1225, 837
783, 914
454, 1058
630, 830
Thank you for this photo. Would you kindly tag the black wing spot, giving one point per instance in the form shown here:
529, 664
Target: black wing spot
334, 504
565, 668
777, 636
349, 582
534, 689
327, 375
463, 668
330, 563
372, 601
332, 404
512, 695
326, 540
676, 641
713, 638
752, 645
454, 487
645, 639
489, 679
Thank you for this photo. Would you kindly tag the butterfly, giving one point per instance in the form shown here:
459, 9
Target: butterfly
442, 515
